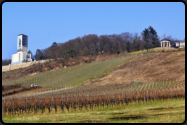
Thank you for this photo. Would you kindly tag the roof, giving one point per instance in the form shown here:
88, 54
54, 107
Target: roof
182, 41
165, 39
22, 34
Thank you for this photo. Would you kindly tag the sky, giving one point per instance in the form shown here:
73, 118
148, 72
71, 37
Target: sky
48, 22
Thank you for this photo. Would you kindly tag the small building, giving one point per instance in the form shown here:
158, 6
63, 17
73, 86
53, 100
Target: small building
165, 42
180, 44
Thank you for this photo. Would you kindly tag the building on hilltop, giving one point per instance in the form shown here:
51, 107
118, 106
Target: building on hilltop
180, 44
22, 51
165, 43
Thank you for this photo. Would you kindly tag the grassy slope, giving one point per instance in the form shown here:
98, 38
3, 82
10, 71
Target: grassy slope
71, 76
173, 112
156, 66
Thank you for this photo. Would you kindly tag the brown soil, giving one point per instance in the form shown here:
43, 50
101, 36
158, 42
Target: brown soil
129, 117
161, 108
117, 113
92, 121
146, 68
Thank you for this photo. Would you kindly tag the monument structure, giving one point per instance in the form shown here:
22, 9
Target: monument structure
22, 51
165, 43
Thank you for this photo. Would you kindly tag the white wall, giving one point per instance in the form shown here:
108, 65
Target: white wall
16, 58
25, 49
177, 44
182, 44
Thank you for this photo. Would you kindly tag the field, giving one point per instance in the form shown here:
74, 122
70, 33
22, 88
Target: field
98, 89
91, 97
70, 76
168, 111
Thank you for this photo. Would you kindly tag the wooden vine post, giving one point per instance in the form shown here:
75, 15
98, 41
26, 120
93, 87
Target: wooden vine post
64, 104
4, 108
122, 97
26, 105
51, 104
87, 102
127, 98
109, 100
184, 93
71, 101
23, 106
97, 102
36, 106
76, 103
39, 104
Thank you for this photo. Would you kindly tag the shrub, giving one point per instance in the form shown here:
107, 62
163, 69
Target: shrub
163, 50
40, 67
63, 63
49, 64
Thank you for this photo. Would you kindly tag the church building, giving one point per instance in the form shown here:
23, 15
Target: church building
22, 51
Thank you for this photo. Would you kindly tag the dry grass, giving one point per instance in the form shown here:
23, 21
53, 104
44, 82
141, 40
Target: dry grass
146, 68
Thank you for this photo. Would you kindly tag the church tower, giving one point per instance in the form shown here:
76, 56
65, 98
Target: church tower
22, 50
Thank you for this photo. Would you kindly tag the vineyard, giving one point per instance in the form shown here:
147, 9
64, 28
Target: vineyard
70, 76
72, 89
93, 97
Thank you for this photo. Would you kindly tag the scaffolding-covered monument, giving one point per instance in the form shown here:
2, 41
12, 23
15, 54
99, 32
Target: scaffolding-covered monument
22, 51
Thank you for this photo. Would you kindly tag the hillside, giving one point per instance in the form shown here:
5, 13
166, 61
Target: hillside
70, 76
65, 90
146, 68
55, 64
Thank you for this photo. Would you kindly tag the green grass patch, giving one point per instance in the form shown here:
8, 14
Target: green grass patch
70, 76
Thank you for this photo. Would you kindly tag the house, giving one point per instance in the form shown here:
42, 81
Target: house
180, 44
165, 42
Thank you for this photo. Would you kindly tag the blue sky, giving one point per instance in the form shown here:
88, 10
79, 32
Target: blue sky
48, 22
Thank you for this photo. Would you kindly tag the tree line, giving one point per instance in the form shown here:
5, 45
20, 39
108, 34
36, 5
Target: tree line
93, 44
6, 62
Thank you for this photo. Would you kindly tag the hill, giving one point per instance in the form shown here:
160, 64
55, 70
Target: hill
146, 68
70, 76
54, 65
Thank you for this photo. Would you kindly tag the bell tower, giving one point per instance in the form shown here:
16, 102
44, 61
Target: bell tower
22, 44
22, 50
